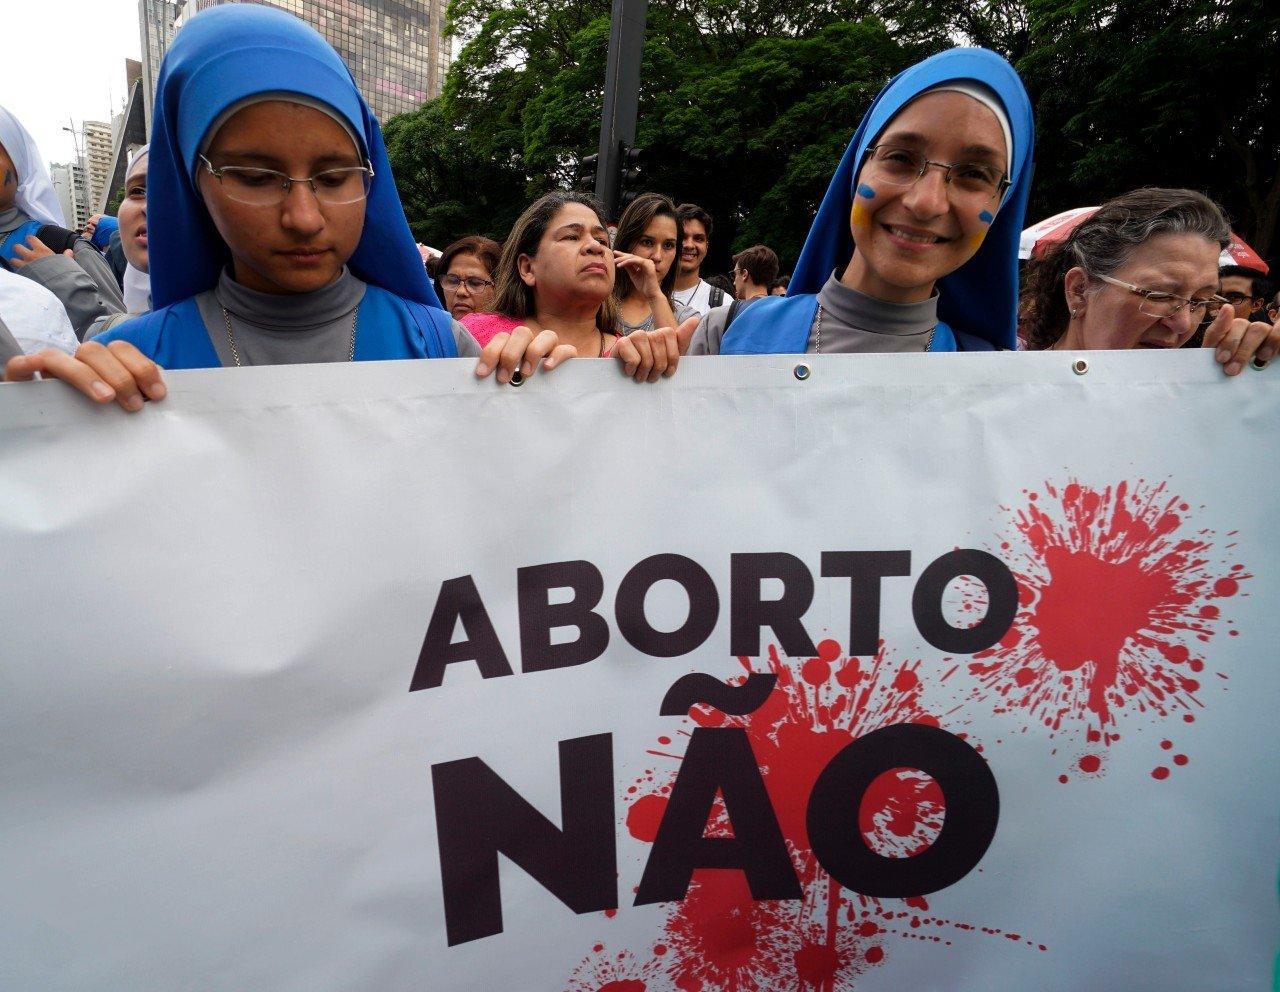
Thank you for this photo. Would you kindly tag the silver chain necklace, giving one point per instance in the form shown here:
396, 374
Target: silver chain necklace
235, 352
817, 334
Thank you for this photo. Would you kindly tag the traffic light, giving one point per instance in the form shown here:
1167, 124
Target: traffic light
585, 177
630, 174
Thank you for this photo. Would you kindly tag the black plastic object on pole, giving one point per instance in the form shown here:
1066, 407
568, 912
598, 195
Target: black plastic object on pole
621, 97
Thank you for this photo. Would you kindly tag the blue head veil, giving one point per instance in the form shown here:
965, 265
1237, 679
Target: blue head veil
979, 299
220, 57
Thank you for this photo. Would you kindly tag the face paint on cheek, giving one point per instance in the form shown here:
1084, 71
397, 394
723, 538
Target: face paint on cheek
9, 177
986, 217
860, 216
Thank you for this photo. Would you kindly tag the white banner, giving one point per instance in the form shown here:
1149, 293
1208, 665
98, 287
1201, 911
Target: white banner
883, 672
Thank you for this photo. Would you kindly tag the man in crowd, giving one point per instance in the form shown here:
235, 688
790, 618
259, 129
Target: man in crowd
691, 289
754, 271
1245, 289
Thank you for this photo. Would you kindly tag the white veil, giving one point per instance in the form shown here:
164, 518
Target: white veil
36, 197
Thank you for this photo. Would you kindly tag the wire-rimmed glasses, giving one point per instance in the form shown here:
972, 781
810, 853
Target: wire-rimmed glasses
1156, 303
897, 166
269, 188
474, 284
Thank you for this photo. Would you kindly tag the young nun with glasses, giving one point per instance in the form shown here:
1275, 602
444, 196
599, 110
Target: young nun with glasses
276, 234
915, 246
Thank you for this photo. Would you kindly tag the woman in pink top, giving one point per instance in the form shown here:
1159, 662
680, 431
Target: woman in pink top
557, 273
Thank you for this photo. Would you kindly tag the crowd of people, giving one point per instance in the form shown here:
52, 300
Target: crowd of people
262, 226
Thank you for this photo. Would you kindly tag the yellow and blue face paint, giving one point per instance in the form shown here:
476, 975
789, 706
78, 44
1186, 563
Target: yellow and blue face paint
860, 215
987, 217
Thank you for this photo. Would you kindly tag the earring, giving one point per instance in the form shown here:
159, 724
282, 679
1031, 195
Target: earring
1074, 312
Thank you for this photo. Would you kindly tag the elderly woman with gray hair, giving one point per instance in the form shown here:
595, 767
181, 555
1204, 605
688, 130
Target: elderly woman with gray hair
1142, 272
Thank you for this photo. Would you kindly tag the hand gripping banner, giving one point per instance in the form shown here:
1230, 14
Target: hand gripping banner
882, 672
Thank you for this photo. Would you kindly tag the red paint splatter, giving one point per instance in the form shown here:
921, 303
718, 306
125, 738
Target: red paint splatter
644, 816
1160, 772
719, 939
816, 671
1090, 763
901, 812
1114, 590
621, 972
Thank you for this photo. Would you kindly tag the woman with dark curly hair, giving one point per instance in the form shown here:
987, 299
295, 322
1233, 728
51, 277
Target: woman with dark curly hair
1142, 272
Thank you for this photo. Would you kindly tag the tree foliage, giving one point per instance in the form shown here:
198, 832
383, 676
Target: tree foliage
1158, 93
747, 105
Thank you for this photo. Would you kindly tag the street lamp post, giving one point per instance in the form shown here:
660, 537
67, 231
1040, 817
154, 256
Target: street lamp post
621, 98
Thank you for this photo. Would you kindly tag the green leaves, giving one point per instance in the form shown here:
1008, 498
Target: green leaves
747, 105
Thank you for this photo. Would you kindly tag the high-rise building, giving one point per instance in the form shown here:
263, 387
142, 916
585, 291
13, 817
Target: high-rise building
396, 49
97, 159
128, 133
156, 24
72, 189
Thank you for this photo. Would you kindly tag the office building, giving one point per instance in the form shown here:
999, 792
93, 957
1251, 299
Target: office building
396, 49
156, 23
97, 159
128, 134
72, 189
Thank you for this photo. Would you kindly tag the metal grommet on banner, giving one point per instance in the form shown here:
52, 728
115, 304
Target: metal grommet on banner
802, 372
1259, 364
1080, 366
517, 378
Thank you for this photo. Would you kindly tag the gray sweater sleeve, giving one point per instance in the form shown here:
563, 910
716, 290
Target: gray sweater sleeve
84, 285
706, 339
468, 347
9, 347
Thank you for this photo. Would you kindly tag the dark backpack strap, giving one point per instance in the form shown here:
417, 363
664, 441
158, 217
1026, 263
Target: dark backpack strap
715, 297
735, 308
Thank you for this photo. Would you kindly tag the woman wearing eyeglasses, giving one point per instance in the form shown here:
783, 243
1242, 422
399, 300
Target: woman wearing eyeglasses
465, 275
276, 234
914, 247
1142, 272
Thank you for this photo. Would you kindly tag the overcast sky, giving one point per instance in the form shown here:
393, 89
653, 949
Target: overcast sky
65, 60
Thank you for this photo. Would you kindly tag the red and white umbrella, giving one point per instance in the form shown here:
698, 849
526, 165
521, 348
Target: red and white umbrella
1239, 253
1037, 239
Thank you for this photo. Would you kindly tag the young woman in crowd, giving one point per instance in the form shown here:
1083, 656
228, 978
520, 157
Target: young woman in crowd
281, 239
915, 246
465, 275
83, 280
557, 272
645, 250
131, 219
1142, 272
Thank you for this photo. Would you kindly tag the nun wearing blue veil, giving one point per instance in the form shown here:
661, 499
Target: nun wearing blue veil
275, 232
915, 245
207, 308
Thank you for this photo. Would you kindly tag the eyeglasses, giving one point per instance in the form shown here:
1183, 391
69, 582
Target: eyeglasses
1236, 298
474, 283
1157, 304
979, 182
269, 188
